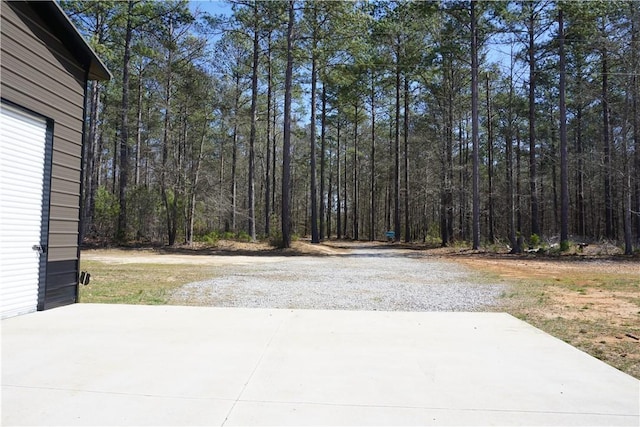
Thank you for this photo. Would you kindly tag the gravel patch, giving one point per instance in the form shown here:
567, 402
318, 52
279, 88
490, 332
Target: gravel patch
385, 280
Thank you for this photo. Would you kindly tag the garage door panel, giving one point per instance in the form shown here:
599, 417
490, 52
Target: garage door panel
19, 289
20, 284
22, 159
26, 197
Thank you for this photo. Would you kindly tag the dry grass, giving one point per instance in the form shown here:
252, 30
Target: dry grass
137, 283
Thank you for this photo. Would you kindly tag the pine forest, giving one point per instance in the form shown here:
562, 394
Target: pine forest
481, 123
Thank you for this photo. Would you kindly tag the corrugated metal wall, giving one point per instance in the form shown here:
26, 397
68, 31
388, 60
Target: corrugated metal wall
40, 74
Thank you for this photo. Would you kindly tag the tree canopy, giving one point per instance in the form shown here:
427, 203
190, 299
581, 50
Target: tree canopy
512, 122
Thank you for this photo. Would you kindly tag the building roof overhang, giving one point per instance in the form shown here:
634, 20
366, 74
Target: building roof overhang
64, 29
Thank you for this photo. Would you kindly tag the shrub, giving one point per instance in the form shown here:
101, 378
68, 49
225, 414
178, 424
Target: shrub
534, 241
243, 236
106, 213
210, 238
275, 240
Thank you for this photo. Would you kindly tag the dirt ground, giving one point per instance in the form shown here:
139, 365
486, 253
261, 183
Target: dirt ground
576, 284
591, 302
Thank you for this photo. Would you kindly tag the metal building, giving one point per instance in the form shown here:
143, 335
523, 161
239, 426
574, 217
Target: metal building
44, 68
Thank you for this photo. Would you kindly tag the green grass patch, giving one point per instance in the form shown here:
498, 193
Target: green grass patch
582, 283
150, 284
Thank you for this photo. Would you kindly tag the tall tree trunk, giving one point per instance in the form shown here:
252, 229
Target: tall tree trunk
463, 209
100, 173
449, 202
180, 188
518, 201
581, 215
166, 141
511, 211
138, 131
252, 135
554, 182
372, 218
92, 172
345, 181
513, 237
323, 161
356, 189
221, 181
268, 172
195, 178
396, 156
491, 225
286, 148
338, 189
315, 238
462, 183
564, 160
389, 181
551, 152
329, 207
407, 224
234, 158
533, 176
446, 177
274, 156
626, 185
124, 128
475, 135
606, 145
635, 89
580, 201
93, 152
116, 161
146, 175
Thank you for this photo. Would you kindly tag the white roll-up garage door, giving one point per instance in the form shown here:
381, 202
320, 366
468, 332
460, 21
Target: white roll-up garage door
22, 155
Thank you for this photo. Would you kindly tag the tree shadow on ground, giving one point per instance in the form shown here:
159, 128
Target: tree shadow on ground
351, 249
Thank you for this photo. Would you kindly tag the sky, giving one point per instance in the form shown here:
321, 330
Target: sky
498, 53
213, 7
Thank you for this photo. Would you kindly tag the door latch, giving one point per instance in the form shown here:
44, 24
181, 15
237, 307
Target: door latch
42, 249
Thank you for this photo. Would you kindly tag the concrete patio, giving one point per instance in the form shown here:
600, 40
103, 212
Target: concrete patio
91, 364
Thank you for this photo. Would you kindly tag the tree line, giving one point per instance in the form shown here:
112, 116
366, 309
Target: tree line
447, 121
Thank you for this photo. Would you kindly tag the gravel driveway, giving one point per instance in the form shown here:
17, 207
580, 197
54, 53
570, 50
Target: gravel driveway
361, 279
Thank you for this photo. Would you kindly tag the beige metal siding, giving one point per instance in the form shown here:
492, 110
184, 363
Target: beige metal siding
40, 74
68, 161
